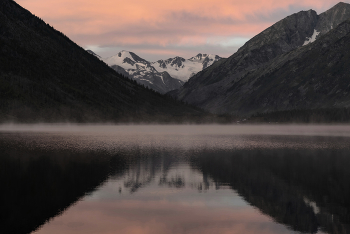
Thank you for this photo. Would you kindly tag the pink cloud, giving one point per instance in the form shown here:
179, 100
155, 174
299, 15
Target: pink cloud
155, 22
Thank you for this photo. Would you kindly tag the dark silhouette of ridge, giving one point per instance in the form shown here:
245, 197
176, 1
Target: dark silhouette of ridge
44, 76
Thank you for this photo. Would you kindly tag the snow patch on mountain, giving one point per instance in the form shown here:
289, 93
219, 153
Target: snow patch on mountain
312, 38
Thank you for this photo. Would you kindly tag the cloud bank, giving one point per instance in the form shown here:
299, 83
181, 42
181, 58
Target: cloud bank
158, 29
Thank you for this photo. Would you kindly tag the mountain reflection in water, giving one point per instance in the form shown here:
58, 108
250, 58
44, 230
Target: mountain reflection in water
182, 180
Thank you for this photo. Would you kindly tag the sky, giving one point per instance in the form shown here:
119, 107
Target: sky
158, 29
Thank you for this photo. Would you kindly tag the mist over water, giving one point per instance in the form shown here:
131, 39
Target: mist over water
175, 178
238, 129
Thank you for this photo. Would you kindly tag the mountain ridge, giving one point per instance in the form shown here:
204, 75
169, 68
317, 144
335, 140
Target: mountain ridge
177, 64
162, 75
46, 77
214, 88
142, 71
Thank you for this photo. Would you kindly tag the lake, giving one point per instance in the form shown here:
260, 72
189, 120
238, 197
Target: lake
174, 179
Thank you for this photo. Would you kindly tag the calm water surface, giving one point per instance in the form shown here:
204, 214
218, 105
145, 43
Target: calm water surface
174, 179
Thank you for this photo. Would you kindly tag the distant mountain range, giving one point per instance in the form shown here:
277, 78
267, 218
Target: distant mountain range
301, 62
183, 69
161, 76
45, 77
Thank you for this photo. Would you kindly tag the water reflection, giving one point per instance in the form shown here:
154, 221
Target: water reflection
98, 182
137, 202
305, 189
37, 184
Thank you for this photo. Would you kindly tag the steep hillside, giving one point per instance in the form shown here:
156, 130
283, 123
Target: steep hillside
230, 85
313, 76
44, 76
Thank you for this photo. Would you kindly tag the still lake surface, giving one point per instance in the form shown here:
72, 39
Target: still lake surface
174, 179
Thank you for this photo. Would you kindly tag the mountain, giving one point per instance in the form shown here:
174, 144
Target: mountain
251, 80
163, 75
333, 17
45, 77
183, 69
313, 76
131, 65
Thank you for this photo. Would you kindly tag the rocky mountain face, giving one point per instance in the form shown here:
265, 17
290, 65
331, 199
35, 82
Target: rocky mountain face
205, 59
45, 77
236, 84
333, 17
163, 75
312, 76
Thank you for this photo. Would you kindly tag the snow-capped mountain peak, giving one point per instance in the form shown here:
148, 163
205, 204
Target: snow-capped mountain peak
198, 57
205, 59
175, 63
163, 75
131, 56
127, 60
201, 57
141, 70
183, 69
123, 54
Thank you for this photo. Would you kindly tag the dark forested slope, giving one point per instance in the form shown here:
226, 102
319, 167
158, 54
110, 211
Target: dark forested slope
44, 76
